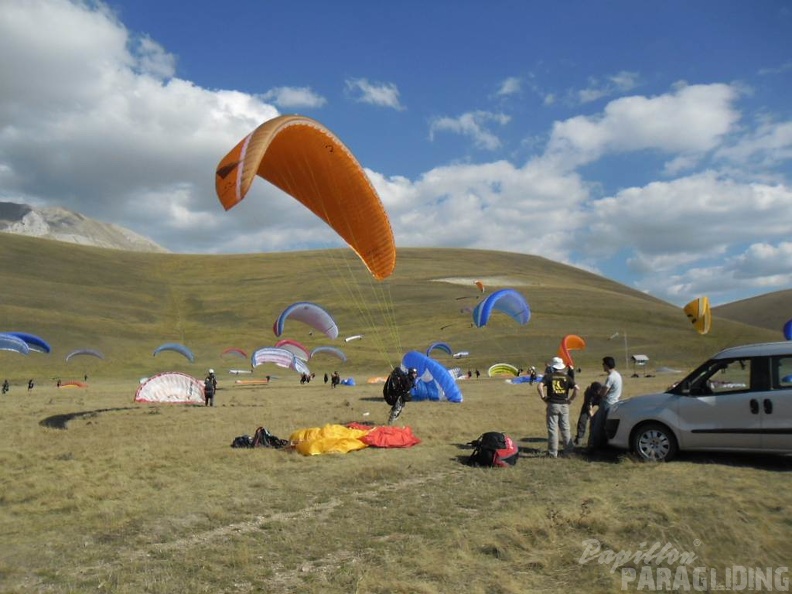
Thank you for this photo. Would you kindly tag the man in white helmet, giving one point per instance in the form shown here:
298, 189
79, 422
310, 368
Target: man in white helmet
210, 387
557, 389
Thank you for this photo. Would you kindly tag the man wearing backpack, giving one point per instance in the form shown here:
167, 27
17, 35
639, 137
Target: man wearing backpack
558, 389
397, 390
210, 386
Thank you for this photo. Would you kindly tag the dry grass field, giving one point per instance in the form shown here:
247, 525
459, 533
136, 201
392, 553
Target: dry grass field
100, 494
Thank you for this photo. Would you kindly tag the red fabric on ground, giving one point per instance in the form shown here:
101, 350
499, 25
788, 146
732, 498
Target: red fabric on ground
387, 436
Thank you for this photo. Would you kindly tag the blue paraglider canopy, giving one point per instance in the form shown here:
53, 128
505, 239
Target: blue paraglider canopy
35, 343
434, 381
508, 301
8, 342
176, 348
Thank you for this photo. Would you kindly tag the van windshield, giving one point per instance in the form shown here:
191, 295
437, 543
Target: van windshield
717, 376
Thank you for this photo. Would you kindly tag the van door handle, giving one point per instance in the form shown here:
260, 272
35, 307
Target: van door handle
754, 406
768, 406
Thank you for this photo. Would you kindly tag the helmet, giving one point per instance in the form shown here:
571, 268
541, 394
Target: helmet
211, 371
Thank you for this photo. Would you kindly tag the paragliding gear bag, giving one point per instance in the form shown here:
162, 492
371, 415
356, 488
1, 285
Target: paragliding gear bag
493, 449
243, 441
398, 384
262, 438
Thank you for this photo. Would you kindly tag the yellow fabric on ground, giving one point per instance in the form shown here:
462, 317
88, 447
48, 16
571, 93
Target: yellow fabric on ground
328, 439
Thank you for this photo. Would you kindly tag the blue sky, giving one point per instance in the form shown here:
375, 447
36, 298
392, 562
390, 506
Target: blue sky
647, 142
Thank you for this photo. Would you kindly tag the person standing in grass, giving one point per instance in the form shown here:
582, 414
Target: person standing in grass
210, 387
610, 393
557, 389
591, 399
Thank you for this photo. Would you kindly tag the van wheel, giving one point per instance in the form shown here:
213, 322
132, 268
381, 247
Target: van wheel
654, 442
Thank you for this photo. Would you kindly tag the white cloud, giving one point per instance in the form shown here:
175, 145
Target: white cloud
677, 231
153, 60
768, 145
699, 214
765, 267
108, 129
382, 94
472, 124
294, 97
780, 69
617, 83
510, 86
96, 132
693, 119
763, 260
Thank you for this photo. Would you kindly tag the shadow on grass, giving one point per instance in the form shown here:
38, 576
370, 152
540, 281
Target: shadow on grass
60, 421
780, 463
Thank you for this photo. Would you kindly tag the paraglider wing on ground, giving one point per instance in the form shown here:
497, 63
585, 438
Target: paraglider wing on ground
170, 387
434, 381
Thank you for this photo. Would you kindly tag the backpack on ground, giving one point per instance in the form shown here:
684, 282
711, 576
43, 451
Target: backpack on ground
493, 449
243, 441
264, 439
397, 384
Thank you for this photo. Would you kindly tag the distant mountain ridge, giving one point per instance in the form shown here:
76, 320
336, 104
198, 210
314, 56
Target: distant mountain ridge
60, 224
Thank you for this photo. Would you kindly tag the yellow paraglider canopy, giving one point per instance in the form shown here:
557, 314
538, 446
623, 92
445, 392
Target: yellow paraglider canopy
698, 312
304, 159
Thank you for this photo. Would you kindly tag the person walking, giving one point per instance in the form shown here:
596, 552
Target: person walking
557, 389
210, 387
396, 390
610, 393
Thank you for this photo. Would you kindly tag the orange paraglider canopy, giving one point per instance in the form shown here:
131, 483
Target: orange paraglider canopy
570, 342
304, 159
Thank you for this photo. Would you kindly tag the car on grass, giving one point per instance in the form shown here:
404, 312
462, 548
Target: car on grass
740, 400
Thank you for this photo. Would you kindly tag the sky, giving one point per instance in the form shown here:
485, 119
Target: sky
647, 142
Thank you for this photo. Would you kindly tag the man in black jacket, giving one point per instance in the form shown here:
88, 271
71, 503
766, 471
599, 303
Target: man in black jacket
558, 389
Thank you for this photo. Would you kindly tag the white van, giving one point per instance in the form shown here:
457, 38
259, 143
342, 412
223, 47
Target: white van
738, 401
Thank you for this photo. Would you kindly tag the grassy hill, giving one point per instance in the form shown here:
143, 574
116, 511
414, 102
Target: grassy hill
108, 495
770, 311
125, 304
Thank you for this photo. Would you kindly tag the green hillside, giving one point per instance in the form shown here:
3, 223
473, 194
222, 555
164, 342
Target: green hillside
125, 304
770, 311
